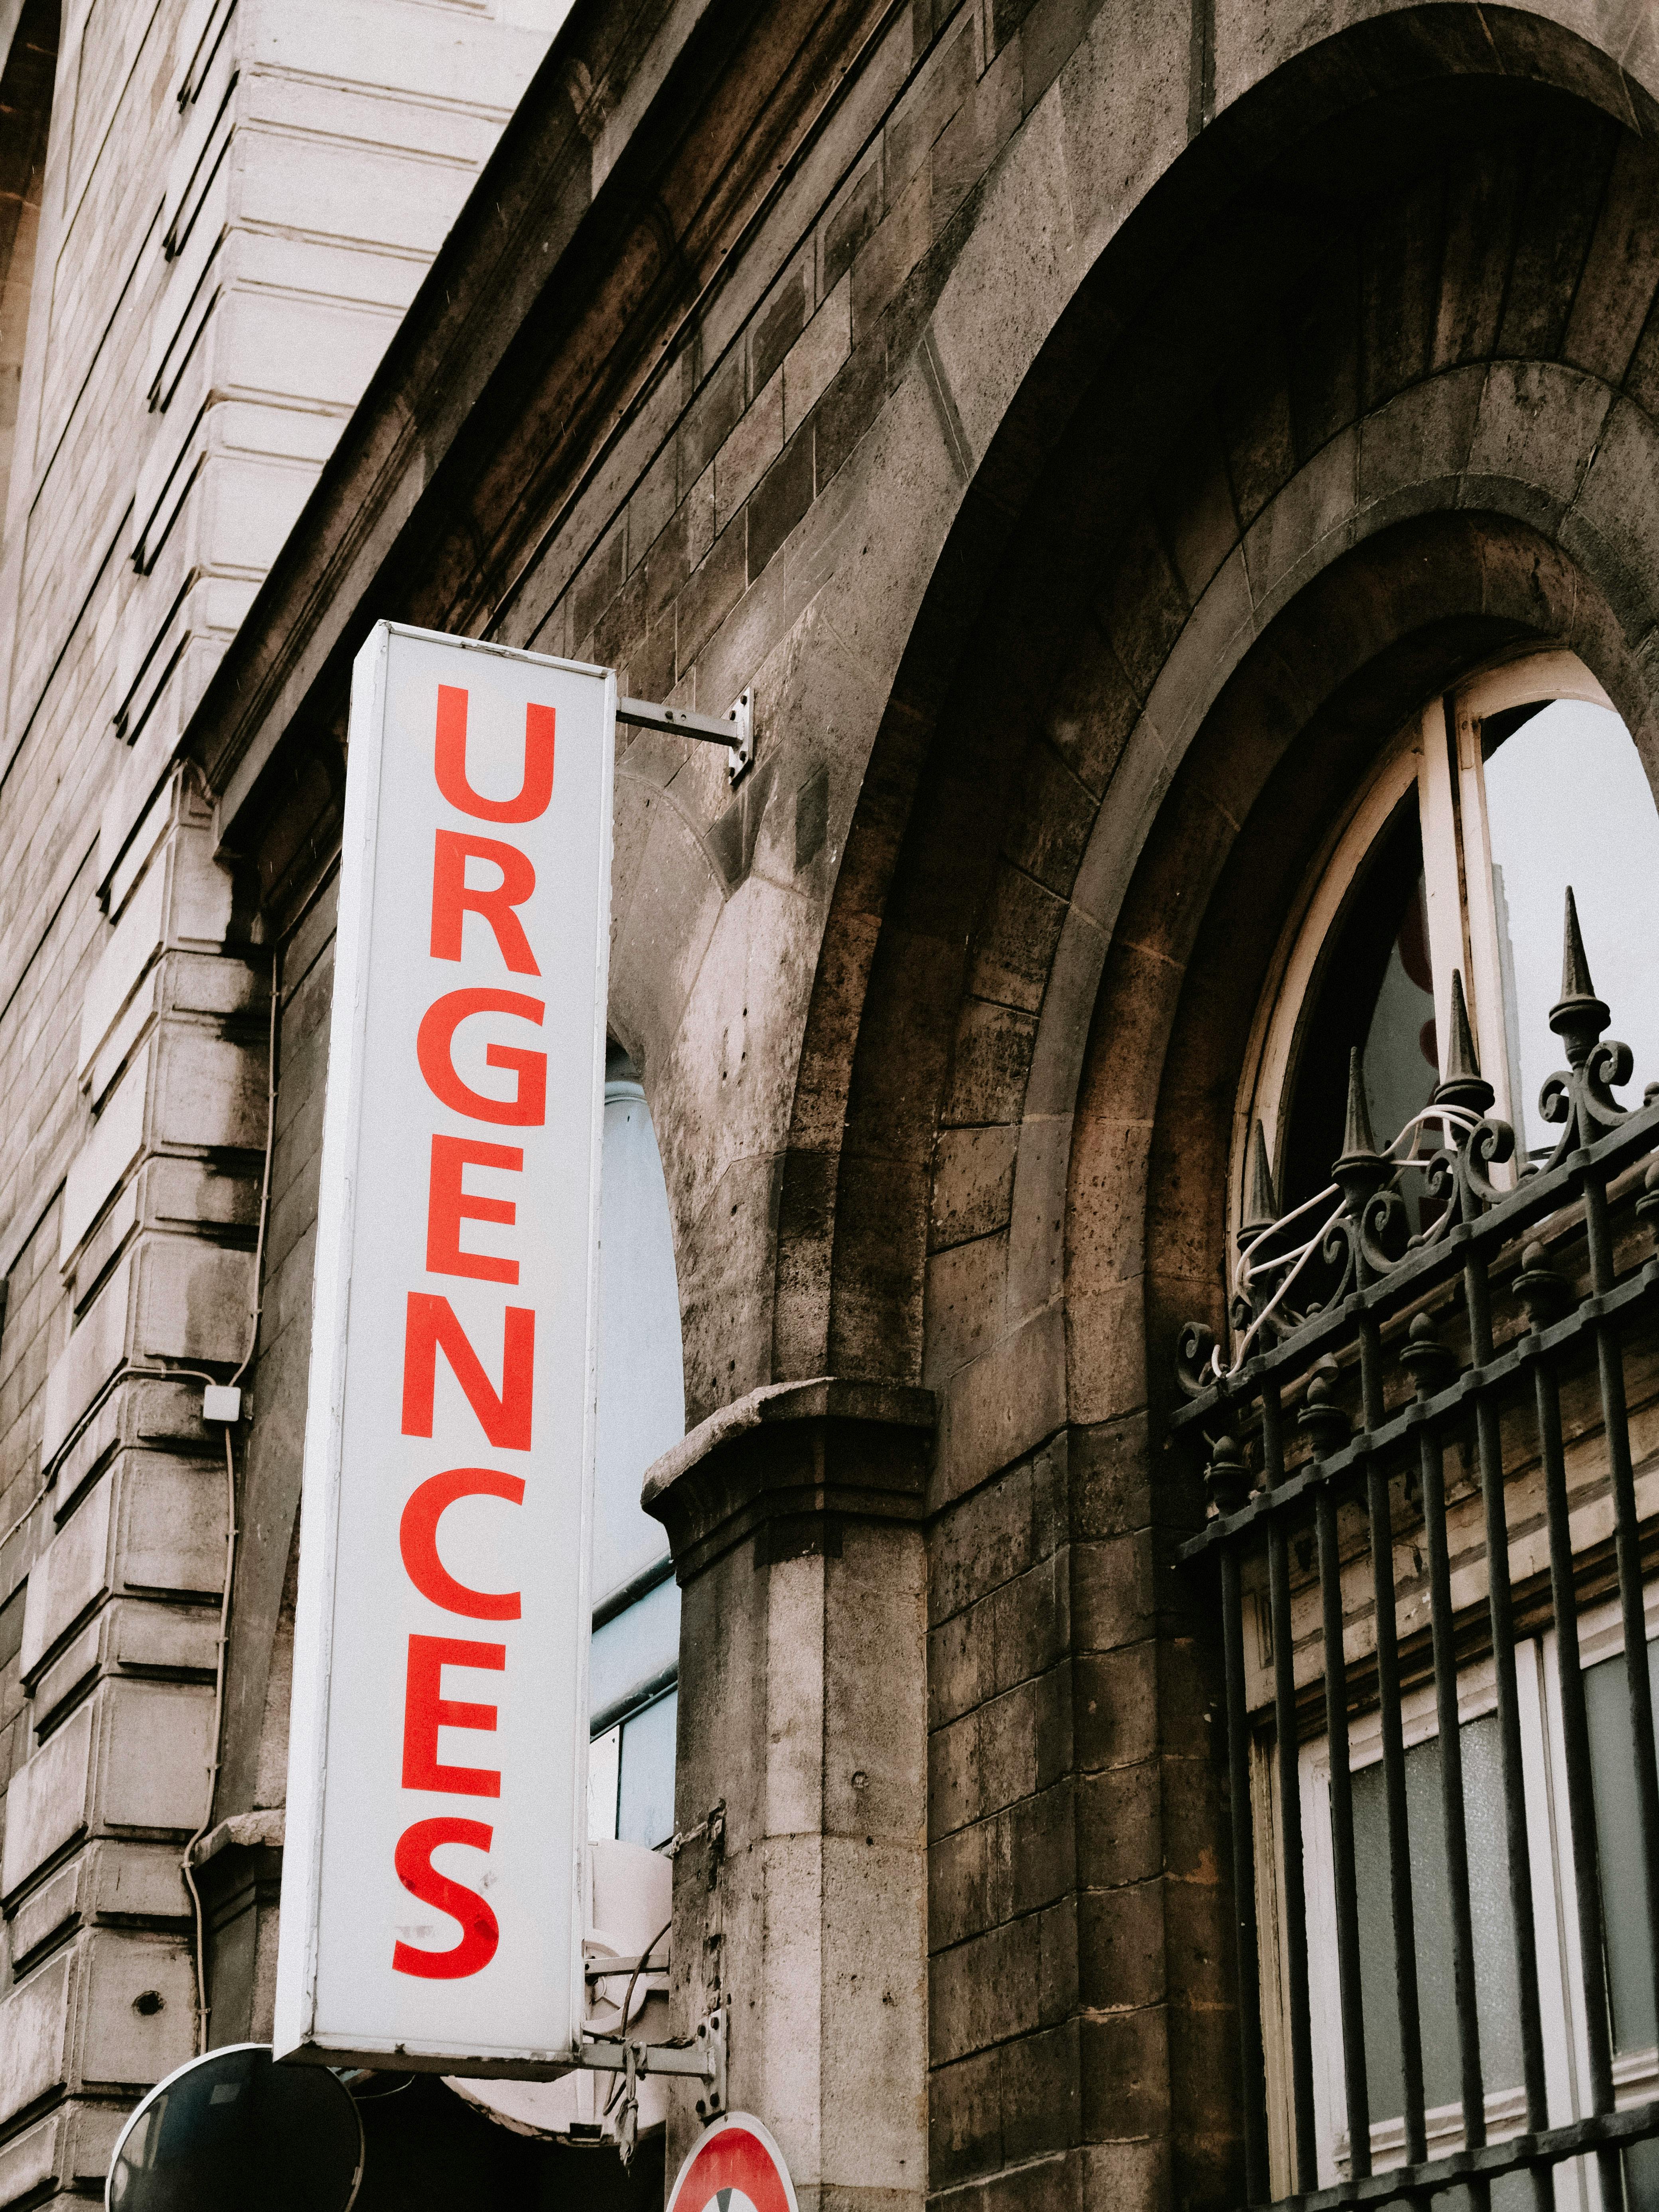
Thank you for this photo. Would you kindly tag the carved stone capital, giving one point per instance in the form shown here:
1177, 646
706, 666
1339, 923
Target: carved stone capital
791, 1463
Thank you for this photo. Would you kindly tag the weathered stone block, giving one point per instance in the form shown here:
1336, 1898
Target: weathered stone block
118, 1140
1121, 1826
778, 502
964, 2124
815, 355
124, 2034
136, 941
980, 1543
49, 1800
848, 223
30, 2160
1040, 2093
778, 322
35, 2029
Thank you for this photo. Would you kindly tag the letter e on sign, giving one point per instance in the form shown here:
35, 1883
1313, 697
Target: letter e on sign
432, 1874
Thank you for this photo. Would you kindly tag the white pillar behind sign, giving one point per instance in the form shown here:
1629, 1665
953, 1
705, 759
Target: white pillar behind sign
431, 1885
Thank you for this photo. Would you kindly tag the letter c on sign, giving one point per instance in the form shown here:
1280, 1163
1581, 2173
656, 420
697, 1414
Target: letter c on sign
435, 1048
480, 1930
418, 1540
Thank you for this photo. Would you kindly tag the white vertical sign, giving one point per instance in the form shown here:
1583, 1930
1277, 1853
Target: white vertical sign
436, 1805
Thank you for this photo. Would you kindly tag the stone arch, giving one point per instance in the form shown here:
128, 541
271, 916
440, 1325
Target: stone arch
1158, 636
1090, 603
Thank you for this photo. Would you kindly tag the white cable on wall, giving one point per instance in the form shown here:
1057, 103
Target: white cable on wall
227, 1409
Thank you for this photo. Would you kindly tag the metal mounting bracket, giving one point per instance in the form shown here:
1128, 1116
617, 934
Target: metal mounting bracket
735, 730
703, 2059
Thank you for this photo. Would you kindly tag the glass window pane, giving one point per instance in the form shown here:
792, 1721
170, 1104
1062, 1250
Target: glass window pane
1375, 990
1618, 1836
636, 1647
1493, 1925
642, 1377
1568, 802
604, 1758
645, 1799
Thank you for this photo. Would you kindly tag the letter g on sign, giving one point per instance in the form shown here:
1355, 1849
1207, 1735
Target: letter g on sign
435, 1048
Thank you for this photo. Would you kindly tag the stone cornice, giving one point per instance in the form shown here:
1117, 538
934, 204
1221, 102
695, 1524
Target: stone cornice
634, 166
791, 1461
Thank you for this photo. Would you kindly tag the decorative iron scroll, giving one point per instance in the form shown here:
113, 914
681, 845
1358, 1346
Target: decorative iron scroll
1358, 1224
1362, 1349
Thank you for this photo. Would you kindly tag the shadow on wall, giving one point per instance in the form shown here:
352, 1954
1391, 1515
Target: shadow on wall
428, 2152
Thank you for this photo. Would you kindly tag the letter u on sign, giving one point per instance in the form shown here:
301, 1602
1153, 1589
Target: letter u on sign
438, 1749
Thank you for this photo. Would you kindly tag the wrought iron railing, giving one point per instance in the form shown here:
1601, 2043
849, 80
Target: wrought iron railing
1325, 1431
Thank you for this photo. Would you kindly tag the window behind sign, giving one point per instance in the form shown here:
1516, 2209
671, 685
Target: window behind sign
634, 1667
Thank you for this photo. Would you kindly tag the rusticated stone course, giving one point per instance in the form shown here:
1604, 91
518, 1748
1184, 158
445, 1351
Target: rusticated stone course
211, 217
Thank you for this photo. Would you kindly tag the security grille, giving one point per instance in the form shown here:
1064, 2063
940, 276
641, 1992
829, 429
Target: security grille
1428, 1442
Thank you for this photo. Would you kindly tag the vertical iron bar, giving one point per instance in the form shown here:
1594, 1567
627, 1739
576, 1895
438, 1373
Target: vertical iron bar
1489, 1445
1290, 1799
1244, 1883
1342, 1839
1393, 1753
1432, 1467
1627, 1545
1576, 1755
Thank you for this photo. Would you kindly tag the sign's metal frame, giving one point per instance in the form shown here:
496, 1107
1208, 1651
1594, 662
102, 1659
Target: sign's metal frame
735, 730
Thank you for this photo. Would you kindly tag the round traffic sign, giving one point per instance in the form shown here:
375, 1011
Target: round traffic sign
733, 2166
232, 2128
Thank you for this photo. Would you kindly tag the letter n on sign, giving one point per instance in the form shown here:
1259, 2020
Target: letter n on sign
437, 1773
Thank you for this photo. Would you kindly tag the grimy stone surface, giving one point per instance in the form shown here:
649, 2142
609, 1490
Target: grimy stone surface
1090, 429
212, 216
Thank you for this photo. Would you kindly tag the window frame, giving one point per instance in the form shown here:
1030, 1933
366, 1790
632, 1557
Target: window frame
1554, 1874
1438, 754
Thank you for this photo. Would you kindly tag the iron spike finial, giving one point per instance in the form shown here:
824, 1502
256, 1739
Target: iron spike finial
1578, 1017
1463, 1084
1362, 1171
1260, 1207
1357, 1141
1575, 967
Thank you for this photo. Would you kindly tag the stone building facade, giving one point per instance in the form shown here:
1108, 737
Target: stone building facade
212, 217
1092, 431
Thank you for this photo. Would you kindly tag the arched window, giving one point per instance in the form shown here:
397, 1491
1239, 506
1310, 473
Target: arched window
1431, 1445
1454, 862
634, 1663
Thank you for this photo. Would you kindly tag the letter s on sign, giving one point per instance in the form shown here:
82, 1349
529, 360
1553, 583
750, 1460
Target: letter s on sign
434, 1047
479, 1931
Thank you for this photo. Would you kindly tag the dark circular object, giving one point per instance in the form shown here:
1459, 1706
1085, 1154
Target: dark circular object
233, 2128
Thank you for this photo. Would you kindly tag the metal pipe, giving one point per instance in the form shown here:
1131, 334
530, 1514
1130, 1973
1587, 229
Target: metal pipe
1287, 1749
1500, 1608
1244, 1884
1342, 1841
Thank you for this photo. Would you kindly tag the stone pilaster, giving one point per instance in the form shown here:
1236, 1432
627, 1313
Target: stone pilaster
796, 1520
121, 1615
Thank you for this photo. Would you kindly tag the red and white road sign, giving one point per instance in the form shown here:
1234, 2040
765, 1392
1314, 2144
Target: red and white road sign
733, 2166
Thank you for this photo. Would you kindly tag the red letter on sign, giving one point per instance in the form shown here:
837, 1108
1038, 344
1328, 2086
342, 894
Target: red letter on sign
450, 762
435, 1046
418, 1540
479, 1934
430, 1326
447, 1206
426, 1710
453, 898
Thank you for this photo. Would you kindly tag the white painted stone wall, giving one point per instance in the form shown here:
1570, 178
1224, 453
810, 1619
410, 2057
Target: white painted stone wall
240, 198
